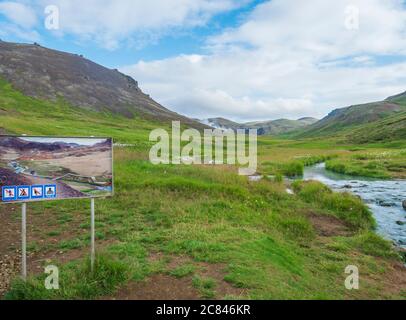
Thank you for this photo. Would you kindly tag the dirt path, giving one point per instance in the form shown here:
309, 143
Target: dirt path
164, 286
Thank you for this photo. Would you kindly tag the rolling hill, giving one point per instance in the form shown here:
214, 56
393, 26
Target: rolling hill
275, 127
377, 121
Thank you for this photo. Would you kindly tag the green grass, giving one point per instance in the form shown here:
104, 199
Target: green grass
345, 206
25, 115
71, 244
263, 234
183, 271
205, 286
260, 233
294, 168
76, 281
362, 125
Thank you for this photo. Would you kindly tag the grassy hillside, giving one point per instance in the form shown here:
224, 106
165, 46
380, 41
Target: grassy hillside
373, 122
199, 228
25, 115
391, 128
280, 126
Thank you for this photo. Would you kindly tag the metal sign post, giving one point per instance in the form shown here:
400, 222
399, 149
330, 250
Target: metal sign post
92, 237
24, 241
24, 238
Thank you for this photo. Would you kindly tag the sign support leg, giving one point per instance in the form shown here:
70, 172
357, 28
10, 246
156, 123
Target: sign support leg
92, 224
24, 241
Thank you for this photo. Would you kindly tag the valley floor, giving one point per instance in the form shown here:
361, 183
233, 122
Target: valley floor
195, 231
182, 232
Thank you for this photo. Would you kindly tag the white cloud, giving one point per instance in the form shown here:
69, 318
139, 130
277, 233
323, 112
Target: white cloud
288, 58
110, 23
21, 33
19, 14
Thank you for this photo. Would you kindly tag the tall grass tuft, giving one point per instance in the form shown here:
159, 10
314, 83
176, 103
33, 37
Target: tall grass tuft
343, 205
77, 281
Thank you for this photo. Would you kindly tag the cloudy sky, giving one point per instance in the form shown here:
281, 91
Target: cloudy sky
243, 60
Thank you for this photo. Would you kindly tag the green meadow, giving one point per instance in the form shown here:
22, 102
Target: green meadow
269, 244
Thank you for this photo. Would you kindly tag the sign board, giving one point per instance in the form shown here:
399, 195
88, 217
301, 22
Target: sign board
49, 168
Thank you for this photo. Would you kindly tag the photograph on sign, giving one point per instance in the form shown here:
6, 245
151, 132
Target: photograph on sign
46, 168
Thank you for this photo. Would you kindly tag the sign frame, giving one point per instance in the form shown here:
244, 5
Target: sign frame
43, 198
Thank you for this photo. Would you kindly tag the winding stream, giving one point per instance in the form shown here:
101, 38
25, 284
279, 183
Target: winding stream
384, 198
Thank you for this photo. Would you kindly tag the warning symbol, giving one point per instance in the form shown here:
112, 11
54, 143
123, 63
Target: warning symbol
9, 193
23, 192
37, 192
50, 191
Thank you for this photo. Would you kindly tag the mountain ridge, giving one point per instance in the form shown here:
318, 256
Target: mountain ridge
49, 74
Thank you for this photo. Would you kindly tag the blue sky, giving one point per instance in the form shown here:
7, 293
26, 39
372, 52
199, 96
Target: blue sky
240, 59
170, 42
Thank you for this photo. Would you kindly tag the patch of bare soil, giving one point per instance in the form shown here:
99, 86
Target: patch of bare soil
158, 287
166, 287
329, 226
217, 272
9, 248
395, 280
36, 262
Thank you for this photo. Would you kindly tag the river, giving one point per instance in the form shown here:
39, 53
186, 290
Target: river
383, 197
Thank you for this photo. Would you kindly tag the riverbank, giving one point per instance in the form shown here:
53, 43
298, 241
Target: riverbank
289, 158
380, 165
383, 197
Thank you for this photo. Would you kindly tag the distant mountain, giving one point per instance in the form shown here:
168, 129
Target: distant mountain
24, 145
273, 127
221, 123
281, 126
50, 75
357, 117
